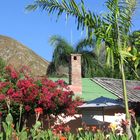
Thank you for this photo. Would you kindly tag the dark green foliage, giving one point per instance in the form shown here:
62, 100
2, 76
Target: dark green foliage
70, 7
63, 50
135, 39
111, 29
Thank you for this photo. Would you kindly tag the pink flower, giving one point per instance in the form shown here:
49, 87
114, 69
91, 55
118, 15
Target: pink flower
125, 122
4, 84
39, 110
0, 114
132, 112
12, 72
25, 83
10, 91
2, 97
67, 129
27, 108
14, 75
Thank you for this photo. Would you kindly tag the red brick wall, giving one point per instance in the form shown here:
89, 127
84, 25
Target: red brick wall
75, 73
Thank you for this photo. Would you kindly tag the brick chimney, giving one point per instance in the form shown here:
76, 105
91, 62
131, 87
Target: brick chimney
75, 79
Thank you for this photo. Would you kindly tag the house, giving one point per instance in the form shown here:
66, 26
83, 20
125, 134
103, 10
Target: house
94, 88
113, 90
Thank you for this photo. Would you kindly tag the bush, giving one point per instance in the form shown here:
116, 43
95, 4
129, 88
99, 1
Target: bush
20, 94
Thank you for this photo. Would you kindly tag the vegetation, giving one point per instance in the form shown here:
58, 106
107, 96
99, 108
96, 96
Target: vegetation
102, 28
135, 51
20, 94
112, 29
2, 66
135, 39
60, 132
63, 50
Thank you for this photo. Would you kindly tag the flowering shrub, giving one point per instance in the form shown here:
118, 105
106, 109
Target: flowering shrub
19, 89
61, 132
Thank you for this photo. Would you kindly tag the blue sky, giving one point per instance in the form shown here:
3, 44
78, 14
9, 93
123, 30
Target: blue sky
34, 29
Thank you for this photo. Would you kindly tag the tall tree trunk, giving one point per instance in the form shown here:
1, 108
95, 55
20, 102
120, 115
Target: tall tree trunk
128, 117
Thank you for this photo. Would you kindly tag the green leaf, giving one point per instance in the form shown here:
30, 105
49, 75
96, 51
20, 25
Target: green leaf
9, 119
4, 126
125, 54
37, 125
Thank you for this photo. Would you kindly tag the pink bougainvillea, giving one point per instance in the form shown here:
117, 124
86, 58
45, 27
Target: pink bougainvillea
11, 72
53, 97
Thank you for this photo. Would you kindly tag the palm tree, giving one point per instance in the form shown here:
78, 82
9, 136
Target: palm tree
61, 53
63, 50
113, 29
135, 39
117, 25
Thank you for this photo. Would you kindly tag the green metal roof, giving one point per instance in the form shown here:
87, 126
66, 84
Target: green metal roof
90, 90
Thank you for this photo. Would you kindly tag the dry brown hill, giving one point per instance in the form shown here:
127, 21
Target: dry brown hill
17, 54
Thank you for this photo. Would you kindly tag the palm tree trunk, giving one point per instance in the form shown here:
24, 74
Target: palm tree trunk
128, 117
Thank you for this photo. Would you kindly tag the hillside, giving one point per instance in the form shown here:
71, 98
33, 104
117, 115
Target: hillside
17, 54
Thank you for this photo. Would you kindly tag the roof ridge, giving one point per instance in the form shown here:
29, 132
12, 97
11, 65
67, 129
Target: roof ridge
115, 79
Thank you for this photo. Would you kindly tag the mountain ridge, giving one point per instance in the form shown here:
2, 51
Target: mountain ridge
15, 53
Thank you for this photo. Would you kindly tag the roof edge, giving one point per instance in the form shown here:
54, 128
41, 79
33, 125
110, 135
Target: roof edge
112, 91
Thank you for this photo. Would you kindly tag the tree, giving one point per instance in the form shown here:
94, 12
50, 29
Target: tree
63, 50
61, 53
135, 39
118, 21
135, 48
133, 63
112, 29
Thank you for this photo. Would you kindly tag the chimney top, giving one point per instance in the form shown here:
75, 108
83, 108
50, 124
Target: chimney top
73, 54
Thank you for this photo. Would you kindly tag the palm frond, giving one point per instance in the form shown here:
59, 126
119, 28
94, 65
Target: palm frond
62, 50
83, 17
117, 26
88, 64
85, 44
